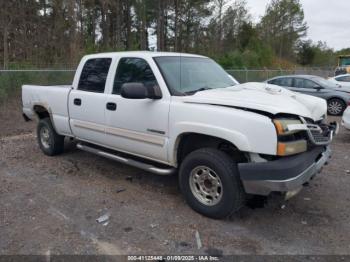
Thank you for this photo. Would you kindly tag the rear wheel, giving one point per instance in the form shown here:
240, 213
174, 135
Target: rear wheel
210, 183
49, 141
336, 106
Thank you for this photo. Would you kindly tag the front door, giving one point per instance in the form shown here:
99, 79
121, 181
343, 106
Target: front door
137, 126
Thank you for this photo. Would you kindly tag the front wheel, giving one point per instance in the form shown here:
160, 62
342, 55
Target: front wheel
49, 141
210, 183
336, 106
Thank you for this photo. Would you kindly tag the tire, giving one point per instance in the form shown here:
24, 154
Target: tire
49, 141
230, 192
335, 106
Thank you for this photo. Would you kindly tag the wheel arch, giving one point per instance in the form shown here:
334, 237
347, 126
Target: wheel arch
188, 142
43, 111
337, 97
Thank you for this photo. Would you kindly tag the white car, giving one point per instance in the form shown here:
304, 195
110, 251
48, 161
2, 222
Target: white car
342, 80
346, 118
178, 113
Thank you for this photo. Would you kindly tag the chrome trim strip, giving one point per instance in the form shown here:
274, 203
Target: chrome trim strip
89, 125
295, 127
134, 135
138, 136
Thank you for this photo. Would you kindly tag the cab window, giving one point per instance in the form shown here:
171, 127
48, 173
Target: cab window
94, 74
131, 70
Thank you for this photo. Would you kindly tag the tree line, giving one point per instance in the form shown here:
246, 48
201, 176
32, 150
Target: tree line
49, 32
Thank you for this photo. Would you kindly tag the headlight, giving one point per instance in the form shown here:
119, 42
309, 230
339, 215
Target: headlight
282, 125
289, 147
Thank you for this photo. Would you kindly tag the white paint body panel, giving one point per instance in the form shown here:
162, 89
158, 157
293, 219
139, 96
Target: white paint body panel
346, 118
341, 83
54, 99
220, 113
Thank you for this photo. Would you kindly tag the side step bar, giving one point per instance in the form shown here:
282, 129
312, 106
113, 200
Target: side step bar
128, 161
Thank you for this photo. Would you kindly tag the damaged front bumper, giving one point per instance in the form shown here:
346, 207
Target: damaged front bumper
285, 175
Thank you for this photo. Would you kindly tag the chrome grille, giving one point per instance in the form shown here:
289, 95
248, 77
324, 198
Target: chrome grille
320, 137
318, 134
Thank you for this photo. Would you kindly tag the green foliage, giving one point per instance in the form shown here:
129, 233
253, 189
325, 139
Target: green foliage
255, 55
311, 54
11, 81
282, 26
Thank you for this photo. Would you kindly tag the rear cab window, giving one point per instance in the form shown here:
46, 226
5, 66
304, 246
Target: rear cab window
94, 75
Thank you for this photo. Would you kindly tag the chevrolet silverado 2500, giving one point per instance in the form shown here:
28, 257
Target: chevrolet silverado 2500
179, 113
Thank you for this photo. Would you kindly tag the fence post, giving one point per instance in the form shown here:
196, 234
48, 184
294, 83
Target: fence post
246, 74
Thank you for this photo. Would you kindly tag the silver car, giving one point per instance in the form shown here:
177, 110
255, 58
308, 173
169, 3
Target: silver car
337, 97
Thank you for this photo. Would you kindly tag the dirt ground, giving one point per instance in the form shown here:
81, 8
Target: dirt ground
49, 205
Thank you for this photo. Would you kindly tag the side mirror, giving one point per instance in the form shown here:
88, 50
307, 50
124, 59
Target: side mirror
134, 91
139, 91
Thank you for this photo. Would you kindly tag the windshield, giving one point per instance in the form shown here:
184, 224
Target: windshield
324, 82
188, 75
345, 61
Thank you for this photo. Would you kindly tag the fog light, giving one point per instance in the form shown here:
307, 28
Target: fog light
291, 148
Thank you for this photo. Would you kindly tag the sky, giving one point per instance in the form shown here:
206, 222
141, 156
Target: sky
328, 21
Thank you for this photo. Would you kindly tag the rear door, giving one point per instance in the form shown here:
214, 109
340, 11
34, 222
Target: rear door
138, 126
87, 101
309, 87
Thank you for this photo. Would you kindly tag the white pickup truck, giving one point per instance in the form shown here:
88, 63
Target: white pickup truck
178, 113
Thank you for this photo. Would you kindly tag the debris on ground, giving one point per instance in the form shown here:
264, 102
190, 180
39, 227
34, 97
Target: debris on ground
184, 244
166, 242
129, 178
127, 229
198, 240
153, 225
304, 222
104, 219
283, 206
347, 171
307, 198
214, 252
120, 190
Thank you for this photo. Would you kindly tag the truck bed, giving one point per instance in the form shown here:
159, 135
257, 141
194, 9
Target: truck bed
49, 97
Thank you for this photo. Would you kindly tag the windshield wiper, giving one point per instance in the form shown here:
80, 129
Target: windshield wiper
197, 90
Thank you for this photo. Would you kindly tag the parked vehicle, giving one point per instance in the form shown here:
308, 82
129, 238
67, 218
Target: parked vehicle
346, 118
172, 113
342, 80
343, 65
337, 97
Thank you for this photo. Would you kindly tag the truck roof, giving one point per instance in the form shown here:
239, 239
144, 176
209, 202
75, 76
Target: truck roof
141, 54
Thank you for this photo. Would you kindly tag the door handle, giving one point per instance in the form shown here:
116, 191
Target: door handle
77, 101
111, 106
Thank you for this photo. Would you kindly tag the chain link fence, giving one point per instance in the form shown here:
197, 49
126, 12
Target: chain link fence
260, 75
11, 80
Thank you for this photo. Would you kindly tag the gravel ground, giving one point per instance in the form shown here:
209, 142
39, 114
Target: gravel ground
49, 205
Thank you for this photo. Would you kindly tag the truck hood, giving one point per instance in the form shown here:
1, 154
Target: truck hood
263, 97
